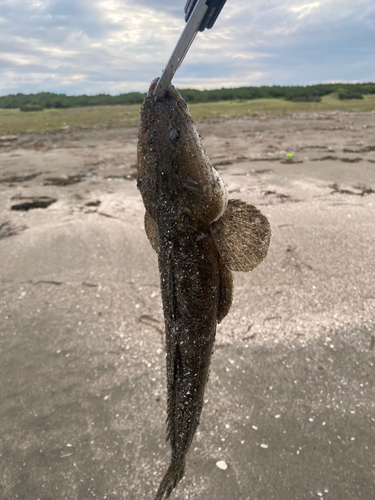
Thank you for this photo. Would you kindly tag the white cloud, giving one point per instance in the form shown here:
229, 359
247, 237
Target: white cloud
218, 82
76, 46
304, 10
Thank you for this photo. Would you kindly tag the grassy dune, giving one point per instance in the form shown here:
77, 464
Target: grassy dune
12, 121
278, 107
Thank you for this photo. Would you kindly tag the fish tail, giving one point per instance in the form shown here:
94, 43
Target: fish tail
172, 477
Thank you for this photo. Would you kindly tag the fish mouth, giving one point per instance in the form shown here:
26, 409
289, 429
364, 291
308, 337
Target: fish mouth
171, 92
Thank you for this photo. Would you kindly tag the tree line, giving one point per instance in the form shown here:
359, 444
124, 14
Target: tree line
309, 93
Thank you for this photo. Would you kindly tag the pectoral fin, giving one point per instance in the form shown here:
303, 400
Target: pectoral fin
242, 236
151, 229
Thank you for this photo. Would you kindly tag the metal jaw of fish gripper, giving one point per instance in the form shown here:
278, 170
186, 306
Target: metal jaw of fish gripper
199, 15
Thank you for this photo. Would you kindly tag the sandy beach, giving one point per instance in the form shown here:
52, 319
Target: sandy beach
290, 404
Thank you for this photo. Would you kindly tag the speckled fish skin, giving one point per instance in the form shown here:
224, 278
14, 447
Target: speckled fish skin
182, 195
200, 237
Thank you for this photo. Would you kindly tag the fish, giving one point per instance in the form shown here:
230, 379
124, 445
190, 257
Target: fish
200, 237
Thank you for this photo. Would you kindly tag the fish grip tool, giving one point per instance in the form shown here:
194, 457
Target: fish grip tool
199, 15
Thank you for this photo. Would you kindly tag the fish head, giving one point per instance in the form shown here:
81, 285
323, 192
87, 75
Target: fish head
174, 171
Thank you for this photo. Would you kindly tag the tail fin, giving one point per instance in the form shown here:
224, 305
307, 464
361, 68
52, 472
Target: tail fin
173, 476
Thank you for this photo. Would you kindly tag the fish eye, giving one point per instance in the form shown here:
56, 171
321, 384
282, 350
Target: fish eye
174, 135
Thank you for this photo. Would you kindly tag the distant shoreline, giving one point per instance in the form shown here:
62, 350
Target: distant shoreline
14, 122
308, 94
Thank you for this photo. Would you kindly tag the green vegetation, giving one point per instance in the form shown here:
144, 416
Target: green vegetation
310, 93
12, 121
225, 109
48, 100
31, 107
349, 94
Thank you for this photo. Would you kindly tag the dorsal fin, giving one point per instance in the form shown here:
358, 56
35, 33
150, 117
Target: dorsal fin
242, 236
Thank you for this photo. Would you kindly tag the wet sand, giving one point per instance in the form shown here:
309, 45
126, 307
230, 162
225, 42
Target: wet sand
81, 347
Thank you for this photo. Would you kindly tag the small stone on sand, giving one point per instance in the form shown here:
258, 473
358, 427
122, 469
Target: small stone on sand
222, 465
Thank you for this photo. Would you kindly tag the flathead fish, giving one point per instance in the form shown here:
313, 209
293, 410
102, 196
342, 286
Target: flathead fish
200, 237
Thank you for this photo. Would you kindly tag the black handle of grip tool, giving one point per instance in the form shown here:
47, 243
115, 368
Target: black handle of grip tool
213, 11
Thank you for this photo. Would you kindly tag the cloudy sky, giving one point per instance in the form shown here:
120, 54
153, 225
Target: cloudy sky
115, 46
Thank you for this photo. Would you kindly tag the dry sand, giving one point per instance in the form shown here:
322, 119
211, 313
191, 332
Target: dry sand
290, 405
